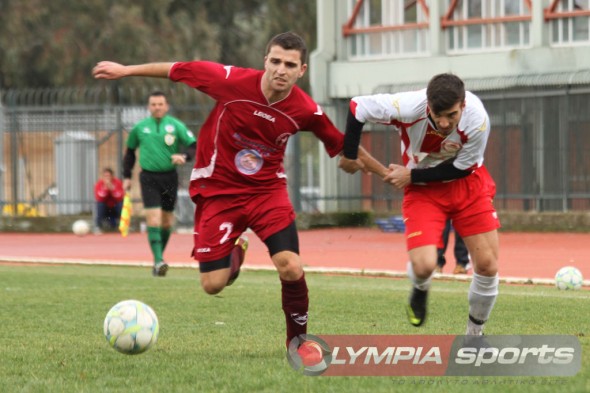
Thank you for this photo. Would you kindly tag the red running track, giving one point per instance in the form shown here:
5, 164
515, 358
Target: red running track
522, 255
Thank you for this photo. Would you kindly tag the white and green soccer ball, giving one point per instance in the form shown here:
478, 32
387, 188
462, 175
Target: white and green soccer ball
131, 327
568, 277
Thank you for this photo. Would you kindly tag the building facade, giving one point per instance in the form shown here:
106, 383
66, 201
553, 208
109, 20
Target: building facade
529, 61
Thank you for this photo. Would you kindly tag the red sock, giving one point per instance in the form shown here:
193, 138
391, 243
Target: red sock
295, 306
236, 259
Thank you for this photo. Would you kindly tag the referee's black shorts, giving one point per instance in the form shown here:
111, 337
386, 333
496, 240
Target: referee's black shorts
159, 189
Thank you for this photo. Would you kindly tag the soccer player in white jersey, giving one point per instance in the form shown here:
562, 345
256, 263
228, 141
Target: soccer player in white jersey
444, 131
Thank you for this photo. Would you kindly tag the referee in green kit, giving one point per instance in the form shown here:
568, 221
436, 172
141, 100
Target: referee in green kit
159, 139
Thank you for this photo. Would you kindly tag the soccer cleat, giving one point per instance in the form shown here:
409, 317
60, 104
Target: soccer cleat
416, 309
471, 331
460, 270
160, 269
239, 252
478, 342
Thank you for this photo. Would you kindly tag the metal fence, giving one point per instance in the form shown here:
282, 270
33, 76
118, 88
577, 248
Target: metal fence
538, 152
54, 143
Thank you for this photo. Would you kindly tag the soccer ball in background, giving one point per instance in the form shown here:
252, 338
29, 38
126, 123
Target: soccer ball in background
81, 228
568, 277
131, 327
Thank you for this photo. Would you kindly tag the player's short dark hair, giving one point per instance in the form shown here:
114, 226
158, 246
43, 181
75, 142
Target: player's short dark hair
109, 170
444, 91
289, 41
157, 93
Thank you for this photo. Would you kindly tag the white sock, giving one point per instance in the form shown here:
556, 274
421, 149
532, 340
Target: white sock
422, 284
473, 329
482, 296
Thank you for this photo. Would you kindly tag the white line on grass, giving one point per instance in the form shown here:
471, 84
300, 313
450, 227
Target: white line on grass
324, 270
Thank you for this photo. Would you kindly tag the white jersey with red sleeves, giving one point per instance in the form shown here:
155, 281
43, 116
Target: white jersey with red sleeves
241, 145
423, 146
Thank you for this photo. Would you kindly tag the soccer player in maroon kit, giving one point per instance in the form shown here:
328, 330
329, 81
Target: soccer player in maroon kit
238, 181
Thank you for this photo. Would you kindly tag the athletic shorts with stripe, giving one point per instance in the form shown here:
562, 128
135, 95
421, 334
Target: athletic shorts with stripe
467, 201
220, 220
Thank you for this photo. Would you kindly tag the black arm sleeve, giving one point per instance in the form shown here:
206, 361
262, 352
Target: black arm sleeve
128, 162
438, 173
352, 136
190, 151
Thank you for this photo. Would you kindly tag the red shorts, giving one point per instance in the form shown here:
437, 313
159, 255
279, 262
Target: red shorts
220, 220
467, 201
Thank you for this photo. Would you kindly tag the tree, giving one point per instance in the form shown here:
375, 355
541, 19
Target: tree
56, 43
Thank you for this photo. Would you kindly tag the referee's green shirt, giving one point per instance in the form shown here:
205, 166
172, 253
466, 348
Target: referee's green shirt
157, 141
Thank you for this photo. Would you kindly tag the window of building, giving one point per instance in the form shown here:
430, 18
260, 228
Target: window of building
387, 28
485, 25
570, 22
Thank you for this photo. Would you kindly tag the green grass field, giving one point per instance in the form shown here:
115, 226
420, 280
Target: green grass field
52, 319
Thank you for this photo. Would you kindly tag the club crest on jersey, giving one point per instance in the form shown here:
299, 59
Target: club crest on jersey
265, 116
248, 161
169, 128
169, 139
450, 146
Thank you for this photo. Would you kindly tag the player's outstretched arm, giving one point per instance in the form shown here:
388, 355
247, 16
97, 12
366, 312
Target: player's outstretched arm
371, 164
365, 162
112, 70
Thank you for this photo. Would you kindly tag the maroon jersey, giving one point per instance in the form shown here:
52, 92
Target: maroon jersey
242, 143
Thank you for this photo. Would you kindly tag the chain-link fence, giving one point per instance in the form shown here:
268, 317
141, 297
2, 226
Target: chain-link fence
538, 152
54, 143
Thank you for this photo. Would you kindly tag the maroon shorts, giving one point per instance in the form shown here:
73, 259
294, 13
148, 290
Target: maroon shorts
220, 220
467, 201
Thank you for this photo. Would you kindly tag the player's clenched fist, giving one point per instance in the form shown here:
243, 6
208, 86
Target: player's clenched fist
399, 176
350, 166
108, 70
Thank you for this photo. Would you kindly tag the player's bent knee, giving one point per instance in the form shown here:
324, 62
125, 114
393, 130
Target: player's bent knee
486, 266
290, 271
214, 283
486, 270
291, 274
211, 288
423, 270
287, 263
